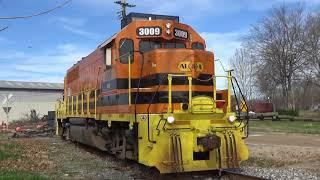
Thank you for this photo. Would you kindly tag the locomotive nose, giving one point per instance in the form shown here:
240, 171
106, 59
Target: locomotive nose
186, 61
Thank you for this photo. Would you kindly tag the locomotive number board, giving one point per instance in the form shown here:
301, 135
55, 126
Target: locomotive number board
149, 31
179, 33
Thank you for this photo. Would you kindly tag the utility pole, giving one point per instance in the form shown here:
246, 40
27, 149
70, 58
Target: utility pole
124, 5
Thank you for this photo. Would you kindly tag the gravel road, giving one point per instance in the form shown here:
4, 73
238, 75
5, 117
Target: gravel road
283, 156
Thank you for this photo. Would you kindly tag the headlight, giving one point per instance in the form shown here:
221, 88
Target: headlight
232, 118
170, 119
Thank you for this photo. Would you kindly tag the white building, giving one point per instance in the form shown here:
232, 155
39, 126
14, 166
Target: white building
22, 97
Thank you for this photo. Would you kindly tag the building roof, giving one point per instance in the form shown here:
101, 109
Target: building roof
30, 85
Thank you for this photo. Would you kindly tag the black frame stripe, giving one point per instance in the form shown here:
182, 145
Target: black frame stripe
154, 80
145, 97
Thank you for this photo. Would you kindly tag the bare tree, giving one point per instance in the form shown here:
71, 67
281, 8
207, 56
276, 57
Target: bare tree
278, 44
242, 64
313, 47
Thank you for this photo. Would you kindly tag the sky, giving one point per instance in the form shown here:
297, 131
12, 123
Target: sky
42, 48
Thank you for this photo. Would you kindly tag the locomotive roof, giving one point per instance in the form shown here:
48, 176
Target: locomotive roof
142, 16
109, 40
138, 16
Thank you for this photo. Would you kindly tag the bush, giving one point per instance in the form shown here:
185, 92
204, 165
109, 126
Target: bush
288, 112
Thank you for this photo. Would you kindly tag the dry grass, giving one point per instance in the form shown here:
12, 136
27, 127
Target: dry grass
286, 126
284, 156
309, 114
21, 158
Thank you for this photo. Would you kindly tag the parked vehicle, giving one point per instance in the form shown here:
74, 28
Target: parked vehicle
262, 110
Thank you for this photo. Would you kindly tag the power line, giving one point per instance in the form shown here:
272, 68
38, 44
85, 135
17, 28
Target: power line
2, 29
36, 14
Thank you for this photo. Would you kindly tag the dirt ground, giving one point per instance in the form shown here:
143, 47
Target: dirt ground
53, 158
284, 150
57, 159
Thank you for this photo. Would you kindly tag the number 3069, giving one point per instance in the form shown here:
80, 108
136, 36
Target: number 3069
149, 31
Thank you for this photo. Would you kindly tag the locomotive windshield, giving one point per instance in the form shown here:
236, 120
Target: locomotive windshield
149, 45
197, 46
174, 45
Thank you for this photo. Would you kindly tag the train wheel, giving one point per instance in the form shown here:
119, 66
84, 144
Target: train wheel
66, 131
59, 128
124, 144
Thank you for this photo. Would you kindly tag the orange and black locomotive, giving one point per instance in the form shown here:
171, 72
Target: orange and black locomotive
149, 94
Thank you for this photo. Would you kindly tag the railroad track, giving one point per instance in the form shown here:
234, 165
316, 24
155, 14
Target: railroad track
225, 174
230, 175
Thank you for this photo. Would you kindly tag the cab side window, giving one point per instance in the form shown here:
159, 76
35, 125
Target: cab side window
126, 49
108, 57
197, 46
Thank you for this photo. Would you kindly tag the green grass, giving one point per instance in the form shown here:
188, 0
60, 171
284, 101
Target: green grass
17, 175
286, 126
309, 114
9, 151
3, 136
4, 154
10, 146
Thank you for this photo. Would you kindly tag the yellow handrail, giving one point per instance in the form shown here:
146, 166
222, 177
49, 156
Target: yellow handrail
170, 93
72, 105
129, 79
190, 91
82, 106
77, 105
95, 104
68, 109
214, 91
170, 76
229, 78
88, 102
229, 91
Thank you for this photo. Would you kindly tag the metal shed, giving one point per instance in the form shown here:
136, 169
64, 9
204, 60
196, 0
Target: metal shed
19, 98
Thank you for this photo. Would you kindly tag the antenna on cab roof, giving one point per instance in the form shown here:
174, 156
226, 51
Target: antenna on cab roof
123, 3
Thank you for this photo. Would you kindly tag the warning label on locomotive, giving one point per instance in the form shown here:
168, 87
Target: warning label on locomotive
143, 117
189, 66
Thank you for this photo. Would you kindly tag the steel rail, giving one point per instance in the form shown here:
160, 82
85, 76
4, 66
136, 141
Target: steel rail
231, 175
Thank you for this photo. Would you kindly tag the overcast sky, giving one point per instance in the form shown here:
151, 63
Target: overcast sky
42, 48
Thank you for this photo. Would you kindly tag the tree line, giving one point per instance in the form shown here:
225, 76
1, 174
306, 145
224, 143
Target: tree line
279, 59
